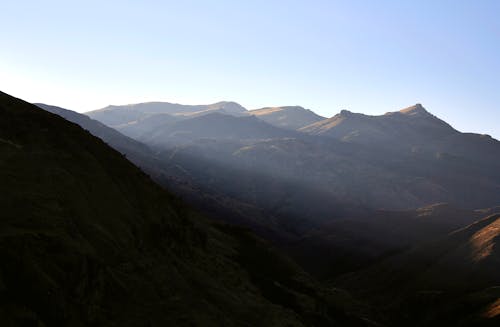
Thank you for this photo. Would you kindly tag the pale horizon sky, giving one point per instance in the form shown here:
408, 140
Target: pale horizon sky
364, 56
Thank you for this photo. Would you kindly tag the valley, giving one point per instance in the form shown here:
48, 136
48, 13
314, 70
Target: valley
347, 197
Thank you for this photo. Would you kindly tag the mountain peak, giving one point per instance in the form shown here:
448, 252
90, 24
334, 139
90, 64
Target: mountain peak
229, 106
347, 113
414, 110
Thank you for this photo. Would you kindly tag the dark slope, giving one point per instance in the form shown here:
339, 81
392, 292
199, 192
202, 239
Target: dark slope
450, 281
175, 177
87, 239
116, 140
290, 117
138, 153
354, 242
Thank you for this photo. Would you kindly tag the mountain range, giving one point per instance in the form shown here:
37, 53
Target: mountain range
367, 220
88, 239
342, 195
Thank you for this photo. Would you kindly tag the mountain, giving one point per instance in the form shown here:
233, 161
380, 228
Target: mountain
136, 129
213, 126
172, 176
408, 127
452, 280
401, 160
127, 114
138, 153
87, 239
289, 117
348, 209
116, 140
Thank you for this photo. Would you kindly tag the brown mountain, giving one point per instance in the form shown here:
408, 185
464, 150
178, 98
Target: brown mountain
405, 128
289, 117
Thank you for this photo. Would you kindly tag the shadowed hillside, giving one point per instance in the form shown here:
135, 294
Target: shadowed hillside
86, 239
357, 241
116, 140
452, 280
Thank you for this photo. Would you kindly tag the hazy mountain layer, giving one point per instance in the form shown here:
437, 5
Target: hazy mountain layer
119, 115
212, 126
400, 160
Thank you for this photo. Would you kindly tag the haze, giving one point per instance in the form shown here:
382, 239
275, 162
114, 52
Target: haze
324, 55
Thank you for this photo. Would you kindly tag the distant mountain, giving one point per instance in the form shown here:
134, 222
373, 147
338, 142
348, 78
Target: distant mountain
213, 126
289, 117
136, 129
401, 160
409, 127
87, 239
127, 114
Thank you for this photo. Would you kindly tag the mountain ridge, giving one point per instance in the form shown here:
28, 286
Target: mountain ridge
290, 117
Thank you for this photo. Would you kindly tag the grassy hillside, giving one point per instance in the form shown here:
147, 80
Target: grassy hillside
450, 281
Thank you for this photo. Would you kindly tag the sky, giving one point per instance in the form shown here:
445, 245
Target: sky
364, 56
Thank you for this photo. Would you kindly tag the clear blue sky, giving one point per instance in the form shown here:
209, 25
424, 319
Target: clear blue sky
365, 56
